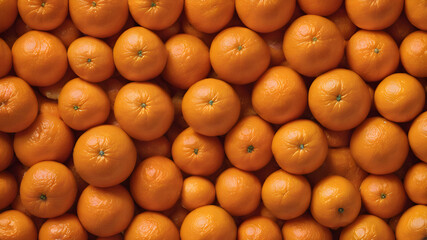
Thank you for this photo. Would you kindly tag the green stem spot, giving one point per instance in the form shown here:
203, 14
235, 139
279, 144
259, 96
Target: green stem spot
211, 102
43, 197
153, 4
101, 153
94, 4
76, 107
140, 53
143, 105
340, 210
89, 60
251, 149
383, 195
314, 39
301, 146
196, 151
43, 4
239, 47
376, 50
339, 97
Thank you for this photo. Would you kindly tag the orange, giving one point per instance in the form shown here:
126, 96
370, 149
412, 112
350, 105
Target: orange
317, 7
211, 107
83, 105
369, 16
99, 18
155, 15
188, 61
412, 224
417, 136
105, 211
18, 104
143, 110
266, 16
170, 31
239, 55
274, 41
8, 189
339, 162
47, 106
300, 146
372, 54
379, 146
399, 97
6, 151
259, 228
367, 227
39, 58
279, 95
5, 58
313, 45
177, 104
66, 227
335, 202
156, 183
177, 215
14, 225
114, 237
209, 16
197, 192
248, 143
47, 139
48, 189
152, 226
416, 12
189, 29
413, 53
416, 183
337, 138
67, 32
305, 228
53, 91
238, 192
383, 195
343, 22
139, 54
245, 95
157, 147
112, 86
285, 195
104, 156
91, 59
8, 13
20, 27
208, 222
400, 29
43, 15
339, 99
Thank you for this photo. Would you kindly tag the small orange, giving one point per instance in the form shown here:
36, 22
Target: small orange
67, 32
143, 110
416, 12
343, 22
197, 192
239, 55
287, 196
151, 226
189, 29
279, 95
379, 146
211, 107
208, 222
300, 146
158, 147
337, 138
305, 228
48, 106
14, 225
416, 183
367, 227
156, 15
274, 41
105, 211
335, 202
64, 227
245, 95
177, 215
413, 53
8, 13
156, 183
238, 192
5, 58
48, 189
8, 189
6, 151
43, 15
83, 105
412, 223
317, 7
259, 228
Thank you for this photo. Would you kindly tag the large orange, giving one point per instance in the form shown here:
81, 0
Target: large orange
197, 192
64, 227
372, 227
305, 228
15, 225
413, 53
43, 15
416, 183
417, 136
412, 223
6, 151
155, 15
416, 11
5, 58
8, 189
152, 226
259, 228
8, 13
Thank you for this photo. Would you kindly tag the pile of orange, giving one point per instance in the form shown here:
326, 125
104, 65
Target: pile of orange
213, 120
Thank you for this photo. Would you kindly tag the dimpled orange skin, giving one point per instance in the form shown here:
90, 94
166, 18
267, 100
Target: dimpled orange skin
8, 189
287, 196
238, 192
15, 225
399, 97
239, 55
416, 183
300, 146
39, 58
197, 192
416, 11
156, 15
259, 228
335, 202
6, 151
43, 15
413, 223
66, 227
83, 105
8, 13
313, 45
47, 139
104, 156
105, 211
100, 18
379, 146
208, 222
248, 143
144, 110
139, 54
156, 183
48, 189
337, 139
67, 32
417, 136
211, 107
367, 227
413, 53
151, 226
305, 228
5, 58
279, 95
339, 99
